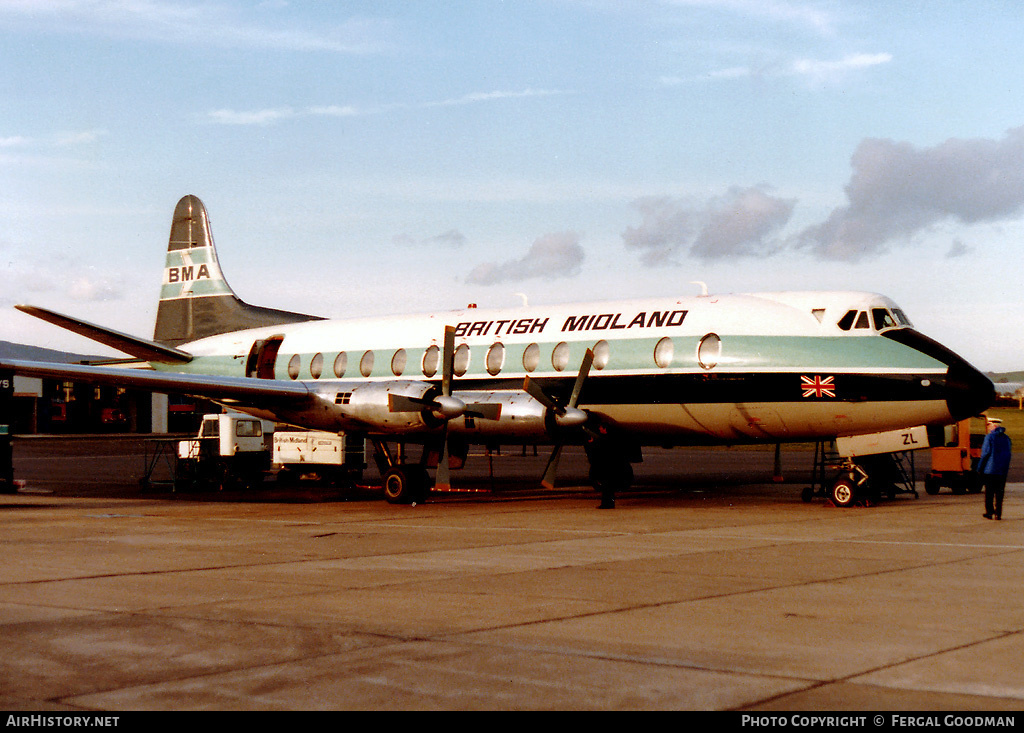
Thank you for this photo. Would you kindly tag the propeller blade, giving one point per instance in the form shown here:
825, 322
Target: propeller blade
402, 403
588, 361
534, 390
448, 361
442, 478
484, 410
548, 482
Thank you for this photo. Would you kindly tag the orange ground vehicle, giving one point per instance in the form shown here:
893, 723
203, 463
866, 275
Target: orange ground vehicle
954, 462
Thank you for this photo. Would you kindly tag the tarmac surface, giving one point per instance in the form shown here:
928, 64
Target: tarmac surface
721, 591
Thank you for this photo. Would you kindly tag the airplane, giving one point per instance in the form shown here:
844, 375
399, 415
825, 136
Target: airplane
615, 376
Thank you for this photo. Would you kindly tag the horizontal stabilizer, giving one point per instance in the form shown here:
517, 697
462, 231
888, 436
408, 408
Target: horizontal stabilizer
137, 347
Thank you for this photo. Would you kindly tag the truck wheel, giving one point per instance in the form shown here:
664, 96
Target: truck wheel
931, 485
843, 492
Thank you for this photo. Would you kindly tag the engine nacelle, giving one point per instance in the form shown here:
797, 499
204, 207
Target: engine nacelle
395, 407
519, 416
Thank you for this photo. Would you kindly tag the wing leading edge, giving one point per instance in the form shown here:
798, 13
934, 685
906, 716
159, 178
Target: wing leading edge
236, 390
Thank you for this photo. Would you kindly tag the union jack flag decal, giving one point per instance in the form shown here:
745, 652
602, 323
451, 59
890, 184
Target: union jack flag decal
818, 387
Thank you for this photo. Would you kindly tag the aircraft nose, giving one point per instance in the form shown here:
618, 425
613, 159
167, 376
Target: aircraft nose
968, 391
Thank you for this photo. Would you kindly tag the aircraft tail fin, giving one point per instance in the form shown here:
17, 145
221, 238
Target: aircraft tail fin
195, 299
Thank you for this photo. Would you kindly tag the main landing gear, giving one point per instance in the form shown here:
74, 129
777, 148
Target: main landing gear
407, 482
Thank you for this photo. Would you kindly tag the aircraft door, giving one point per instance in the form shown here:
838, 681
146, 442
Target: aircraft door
263, 357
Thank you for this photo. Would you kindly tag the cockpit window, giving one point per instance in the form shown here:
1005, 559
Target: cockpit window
846, 322
883, 319
862, 320
901, 317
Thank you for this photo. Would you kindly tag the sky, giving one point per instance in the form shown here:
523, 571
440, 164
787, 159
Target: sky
372, 158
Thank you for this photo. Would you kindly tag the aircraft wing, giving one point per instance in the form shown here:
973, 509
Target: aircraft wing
240, 390
137, 347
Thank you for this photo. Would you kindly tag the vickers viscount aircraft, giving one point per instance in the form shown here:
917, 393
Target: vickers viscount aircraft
614, 376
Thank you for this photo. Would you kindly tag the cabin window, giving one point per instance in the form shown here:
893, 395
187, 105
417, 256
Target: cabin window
293, 366
340, 364
531, 357
846, 322
664, 350
316, 366
560, 356
366, 364
461, 360
882, 318
398, 363
430, 358
862, 320
601, 353
495, 358
342, 398
709, 351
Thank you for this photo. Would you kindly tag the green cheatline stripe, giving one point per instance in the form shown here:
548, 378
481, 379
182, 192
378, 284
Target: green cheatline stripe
739, 354
198, 256
193, 289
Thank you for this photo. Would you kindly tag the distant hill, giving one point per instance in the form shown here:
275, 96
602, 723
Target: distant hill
1006, 376
25, 352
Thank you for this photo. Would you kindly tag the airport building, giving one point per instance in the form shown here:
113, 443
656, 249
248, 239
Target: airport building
56, 406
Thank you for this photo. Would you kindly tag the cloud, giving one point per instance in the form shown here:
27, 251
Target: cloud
551, 256
58, 140
827, 70
261, 117
267, 26
91, 288
958, 249
492, 96
898, 190
790, 12
274, 115
452, 238
744, 222
818, 71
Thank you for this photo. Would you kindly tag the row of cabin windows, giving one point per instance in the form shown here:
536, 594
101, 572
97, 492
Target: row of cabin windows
494, 361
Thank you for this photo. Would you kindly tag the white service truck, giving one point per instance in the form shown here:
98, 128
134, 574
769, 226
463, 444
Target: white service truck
330, 457
232, 451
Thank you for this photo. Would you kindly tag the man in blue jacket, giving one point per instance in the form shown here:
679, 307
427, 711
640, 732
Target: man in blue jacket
993, 466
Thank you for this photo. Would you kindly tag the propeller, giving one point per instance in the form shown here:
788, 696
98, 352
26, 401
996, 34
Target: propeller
445, 407
566, 416
442, 478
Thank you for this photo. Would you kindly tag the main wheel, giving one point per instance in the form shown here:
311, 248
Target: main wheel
405, 484
844, 492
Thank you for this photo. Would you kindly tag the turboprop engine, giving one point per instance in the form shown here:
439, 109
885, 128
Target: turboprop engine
514, 415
